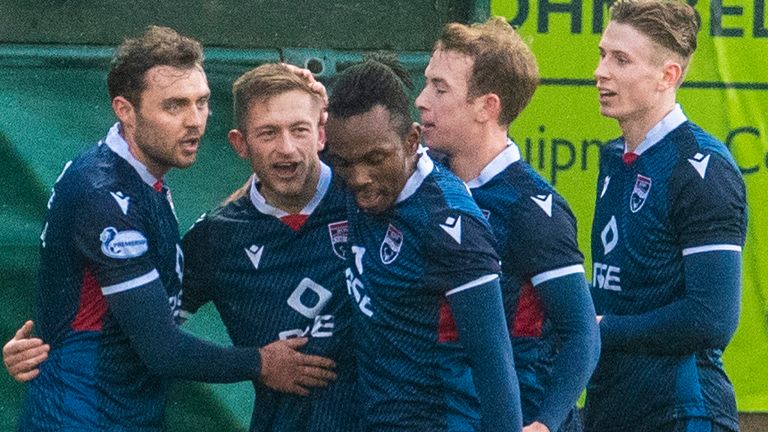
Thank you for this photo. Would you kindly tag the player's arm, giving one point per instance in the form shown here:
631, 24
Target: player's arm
705, 316
479, 315
708, 216
23, 354
566, 302
144, 315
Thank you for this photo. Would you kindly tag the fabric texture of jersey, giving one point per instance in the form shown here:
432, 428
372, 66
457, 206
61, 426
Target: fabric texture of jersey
536, 235
402, 264
683, 192
269, 282
106, 231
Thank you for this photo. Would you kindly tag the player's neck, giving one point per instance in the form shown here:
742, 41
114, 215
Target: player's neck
473, 156
157, 170
635, 130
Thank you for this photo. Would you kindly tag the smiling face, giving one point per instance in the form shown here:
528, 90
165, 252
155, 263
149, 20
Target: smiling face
372, 158
281, 139
631, 76
164, 131
445, 107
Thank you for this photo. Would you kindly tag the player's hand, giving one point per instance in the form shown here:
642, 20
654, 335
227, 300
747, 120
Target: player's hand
536, 427
23, 354
315, 85
285, 369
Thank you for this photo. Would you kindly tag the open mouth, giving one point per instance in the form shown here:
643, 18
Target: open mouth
190, 145
606, 94
285, 169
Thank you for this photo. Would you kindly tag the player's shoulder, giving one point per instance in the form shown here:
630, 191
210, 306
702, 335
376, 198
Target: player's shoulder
444, 192
98, 174
696, 144
703, 159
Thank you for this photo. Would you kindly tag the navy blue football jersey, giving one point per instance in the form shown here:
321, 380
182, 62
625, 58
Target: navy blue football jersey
682, 195
269, 282
107, 230
535, 231
402, 264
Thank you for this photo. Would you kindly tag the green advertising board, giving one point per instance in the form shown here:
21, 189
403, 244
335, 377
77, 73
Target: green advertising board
726, 92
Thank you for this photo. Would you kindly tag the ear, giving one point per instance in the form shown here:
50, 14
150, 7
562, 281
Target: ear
125, 111
320, 137
672, 74
237, 141
413, 138
488, 108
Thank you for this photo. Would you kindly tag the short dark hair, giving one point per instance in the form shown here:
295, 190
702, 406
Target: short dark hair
672, 24
503, 63
380, 79
158, 46
262, 83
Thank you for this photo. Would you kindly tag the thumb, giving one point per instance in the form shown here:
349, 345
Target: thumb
25, 331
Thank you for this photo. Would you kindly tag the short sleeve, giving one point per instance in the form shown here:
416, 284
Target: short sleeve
543, 237
459, 250
708, 202
113, 233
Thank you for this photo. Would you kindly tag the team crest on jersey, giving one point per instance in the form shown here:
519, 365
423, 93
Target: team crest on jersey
339, 232
639, 193
391, 245
123, 244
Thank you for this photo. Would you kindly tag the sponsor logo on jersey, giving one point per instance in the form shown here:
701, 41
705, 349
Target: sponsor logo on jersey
700, 163
610, 236
339, 232
122, 200
545, 202
606, 277
356, 289
309, 298
391, 245
639, 193
452, 226
123, 244
254, 254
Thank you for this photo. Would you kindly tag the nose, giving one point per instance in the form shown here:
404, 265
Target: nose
357, 176
421, 100
197, 117
285, 143
601, 72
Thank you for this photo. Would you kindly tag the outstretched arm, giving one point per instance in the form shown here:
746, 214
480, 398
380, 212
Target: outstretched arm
144, 315
567, 303
705, 316
479, 315
23, 354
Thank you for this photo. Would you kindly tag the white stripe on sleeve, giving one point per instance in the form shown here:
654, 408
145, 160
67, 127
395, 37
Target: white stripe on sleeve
556, 273
711, 248
133, 283
479, 281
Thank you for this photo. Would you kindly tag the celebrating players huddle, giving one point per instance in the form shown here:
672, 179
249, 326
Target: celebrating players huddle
376, 274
